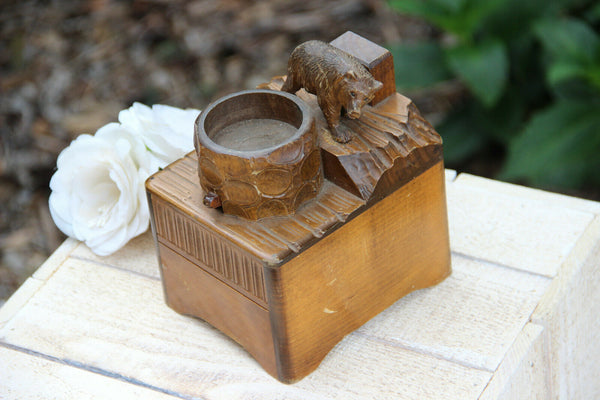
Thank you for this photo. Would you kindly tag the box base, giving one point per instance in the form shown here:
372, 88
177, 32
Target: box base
289, 314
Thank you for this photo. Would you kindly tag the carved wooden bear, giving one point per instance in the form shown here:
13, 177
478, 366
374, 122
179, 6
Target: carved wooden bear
338, 80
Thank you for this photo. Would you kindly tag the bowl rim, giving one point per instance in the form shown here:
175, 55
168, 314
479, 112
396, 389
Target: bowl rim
203, 139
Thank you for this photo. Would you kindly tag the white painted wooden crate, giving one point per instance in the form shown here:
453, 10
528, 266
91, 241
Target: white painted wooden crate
519, 318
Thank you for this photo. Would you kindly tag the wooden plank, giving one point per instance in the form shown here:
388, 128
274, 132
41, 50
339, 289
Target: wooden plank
117, 321
570, 311
360, 368
471, 318
139, 255
63, 252
25, 376
16, 302
525, 233
524, 372
524, 192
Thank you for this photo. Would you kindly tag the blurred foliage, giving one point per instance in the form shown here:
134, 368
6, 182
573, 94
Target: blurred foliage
533, 70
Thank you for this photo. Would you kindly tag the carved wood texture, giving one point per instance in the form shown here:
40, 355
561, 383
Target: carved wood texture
391, 144
271, 240
274, 179
376, 231
377, 59
215, 255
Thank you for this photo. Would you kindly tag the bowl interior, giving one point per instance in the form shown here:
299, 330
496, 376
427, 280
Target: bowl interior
253, 121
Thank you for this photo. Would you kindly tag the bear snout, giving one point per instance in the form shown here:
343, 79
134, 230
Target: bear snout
354, 114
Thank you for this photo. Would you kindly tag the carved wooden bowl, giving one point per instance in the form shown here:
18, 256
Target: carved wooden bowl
258, 154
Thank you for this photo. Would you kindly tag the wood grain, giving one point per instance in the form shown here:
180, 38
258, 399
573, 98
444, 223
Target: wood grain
392, 144
33, 377
569, 312
525, 193
139, 256
378, 60
513, 237
476, 332
523, 373
118, 323
108, 315
191, 291
272, 179
345, 279
204, 248
264, 239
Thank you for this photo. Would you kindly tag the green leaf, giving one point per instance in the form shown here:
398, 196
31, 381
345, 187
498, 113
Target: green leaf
568, 39
419, 65
459, 17
562, 71
593, 14
483, 68
558, 148
434, 11
461, 139
512, 21
575, 90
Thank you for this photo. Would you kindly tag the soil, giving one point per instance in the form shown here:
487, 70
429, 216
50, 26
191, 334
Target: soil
68, 67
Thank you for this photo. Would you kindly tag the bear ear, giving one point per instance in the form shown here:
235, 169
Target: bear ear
376, 85
350, 75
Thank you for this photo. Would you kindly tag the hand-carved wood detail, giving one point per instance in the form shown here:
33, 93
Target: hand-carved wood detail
377, 59
392, 143
288, 288
340, 82
257, 167
271, 240
208, 250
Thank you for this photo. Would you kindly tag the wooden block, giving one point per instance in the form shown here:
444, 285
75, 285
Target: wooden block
376, 231
269, 263
378, 60
33, 377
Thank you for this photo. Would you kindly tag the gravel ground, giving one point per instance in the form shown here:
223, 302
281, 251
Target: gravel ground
67, 67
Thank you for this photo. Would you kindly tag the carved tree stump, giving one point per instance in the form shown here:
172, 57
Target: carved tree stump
258, 154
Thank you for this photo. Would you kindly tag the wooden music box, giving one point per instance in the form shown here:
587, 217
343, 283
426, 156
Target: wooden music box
290, 226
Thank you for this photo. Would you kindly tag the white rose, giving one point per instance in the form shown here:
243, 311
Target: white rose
98, 193
167, 132
142, 158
